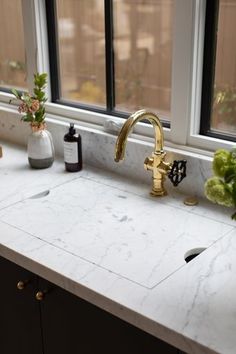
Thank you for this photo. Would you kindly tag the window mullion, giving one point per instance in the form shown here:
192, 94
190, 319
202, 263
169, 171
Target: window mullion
35, 33
51, 21
110, 80
183, 35
197, 71
42, 41
30, 40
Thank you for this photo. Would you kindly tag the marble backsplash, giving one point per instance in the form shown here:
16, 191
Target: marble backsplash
98, 151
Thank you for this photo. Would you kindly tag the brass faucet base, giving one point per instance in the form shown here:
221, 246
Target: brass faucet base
160, 193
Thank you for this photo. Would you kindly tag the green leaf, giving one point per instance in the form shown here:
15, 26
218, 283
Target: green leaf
230, 174
40, 80
233, 216
36, 91
28, 117
39, 95
15, 93
40, 115
26, 98
234, 192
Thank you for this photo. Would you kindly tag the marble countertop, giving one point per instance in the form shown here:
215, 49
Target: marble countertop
103, 238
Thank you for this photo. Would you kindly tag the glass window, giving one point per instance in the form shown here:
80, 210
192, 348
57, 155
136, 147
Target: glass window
115, 54
143, 53
12, 53
81, 47
224, 107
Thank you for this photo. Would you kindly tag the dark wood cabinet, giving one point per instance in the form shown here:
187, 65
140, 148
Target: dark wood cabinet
20, 327
72, 325
62, 322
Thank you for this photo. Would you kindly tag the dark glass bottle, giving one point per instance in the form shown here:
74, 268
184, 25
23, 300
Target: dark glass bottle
72, 150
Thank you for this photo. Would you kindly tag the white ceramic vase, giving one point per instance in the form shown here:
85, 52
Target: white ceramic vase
40, 147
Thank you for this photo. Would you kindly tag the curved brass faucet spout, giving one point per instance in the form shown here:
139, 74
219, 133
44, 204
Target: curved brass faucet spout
156, 163
128, 126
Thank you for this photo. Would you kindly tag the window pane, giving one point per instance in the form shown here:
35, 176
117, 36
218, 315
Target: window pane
12, 53
81, 40
143, 54
223, 117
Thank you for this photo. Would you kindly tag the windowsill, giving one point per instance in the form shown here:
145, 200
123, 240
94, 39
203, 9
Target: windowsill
200, 145
59, 115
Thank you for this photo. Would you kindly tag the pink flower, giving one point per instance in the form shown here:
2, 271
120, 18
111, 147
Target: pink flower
23, 108
34, 106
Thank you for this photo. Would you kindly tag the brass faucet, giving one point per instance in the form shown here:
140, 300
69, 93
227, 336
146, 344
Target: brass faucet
176, 171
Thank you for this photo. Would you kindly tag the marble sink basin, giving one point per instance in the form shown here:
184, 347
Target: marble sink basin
139, 238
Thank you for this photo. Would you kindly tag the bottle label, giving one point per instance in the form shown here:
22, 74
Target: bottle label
71, 152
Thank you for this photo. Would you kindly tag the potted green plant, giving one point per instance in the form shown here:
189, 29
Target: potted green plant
32, 106
221, 188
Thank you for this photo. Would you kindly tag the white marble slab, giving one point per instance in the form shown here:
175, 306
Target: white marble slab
134, 237
192, 309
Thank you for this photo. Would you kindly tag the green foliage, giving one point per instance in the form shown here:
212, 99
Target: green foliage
15, 93
40, 114
40, 95
218, 192
221, 189
221, 162
33, 105
40, 80
27, 117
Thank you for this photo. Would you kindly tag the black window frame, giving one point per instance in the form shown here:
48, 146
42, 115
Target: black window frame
208, 79
109, 60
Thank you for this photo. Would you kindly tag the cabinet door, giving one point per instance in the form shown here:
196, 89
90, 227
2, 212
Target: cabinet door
72, 325
20, 331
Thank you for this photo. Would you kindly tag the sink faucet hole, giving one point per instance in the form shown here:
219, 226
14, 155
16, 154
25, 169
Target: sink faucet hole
40, 195
194, 252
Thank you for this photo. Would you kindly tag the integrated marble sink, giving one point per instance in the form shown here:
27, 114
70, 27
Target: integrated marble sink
139, 238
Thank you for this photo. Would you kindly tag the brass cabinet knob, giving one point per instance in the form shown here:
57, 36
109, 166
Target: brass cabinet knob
40, 295
21, 284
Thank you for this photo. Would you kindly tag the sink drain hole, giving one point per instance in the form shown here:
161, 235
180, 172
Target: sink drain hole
40, 195
194, 252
